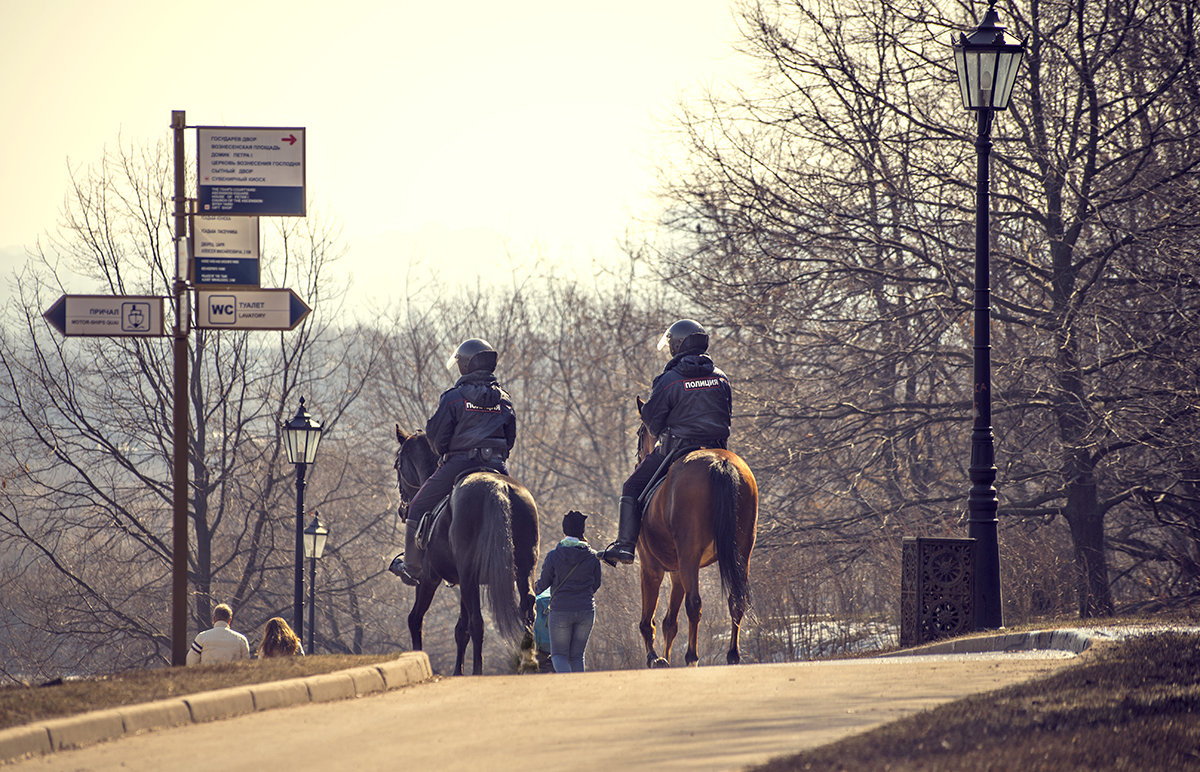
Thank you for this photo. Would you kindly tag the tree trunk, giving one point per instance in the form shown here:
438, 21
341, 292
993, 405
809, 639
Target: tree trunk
1087, 532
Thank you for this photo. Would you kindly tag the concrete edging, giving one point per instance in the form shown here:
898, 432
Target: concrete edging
1073, 641
47, 736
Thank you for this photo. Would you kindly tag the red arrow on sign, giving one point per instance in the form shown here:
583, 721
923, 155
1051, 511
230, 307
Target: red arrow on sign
290, 139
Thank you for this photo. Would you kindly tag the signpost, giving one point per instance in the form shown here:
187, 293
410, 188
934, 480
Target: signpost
107, 315
264, 309
247, 170
243, 173
226, 251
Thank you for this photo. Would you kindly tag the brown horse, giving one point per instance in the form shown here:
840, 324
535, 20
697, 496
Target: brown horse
705, 511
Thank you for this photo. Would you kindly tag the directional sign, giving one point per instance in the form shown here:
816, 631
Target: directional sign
264, 309
250, 170
226, 250
107, 315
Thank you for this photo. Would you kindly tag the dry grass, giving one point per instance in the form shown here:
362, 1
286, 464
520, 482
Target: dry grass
1130, 706
24, 704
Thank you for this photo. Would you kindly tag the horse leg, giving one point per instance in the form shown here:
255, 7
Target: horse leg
652, 577
471, 616
690, 576
737, 610
525, 593
416, 617
670, 622
462, 635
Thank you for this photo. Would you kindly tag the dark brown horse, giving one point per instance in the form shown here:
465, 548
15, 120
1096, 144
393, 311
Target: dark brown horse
705, 512
488, 537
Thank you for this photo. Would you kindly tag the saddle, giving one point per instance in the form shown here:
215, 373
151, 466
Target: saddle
429, 521
660, 475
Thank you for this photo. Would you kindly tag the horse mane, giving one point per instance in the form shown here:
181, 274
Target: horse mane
426, 456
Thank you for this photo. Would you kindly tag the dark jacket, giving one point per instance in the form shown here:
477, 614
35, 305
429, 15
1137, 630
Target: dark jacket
475, 413
572, 572
691, 399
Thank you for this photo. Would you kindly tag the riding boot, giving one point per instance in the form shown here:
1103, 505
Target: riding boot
621, 551
409, 568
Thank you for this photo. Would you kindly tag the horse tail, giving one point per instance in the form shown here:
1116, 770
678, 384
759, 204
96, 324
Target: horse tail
725, 481
496, 568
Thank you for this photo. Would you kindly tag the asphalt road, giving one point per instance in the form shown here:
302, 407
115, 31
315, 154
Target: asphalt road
715, 718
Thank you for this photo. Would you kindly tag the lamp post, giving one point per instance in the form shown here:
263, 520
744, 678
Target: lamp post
314, 547
987, 66
301, 435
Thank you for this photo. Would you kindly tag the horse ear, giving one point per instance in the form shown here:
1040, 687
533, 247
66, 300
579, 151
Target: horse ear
400, 435
640, 404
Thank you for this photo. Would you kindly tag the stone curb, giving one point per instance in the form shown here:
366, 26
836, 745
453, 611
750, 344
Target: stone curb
1074, 641
57, 734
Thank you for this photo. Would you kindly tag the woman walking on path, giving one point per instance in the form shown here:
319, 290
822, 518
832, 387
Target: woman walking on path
572, 572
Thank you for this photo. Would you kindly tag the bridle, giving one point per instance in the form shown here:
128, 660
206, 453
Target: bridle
643, 435
405, 482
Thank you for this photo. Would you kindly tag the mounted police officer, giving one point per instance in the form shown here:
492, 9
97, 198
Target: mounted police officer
473, 427
690, 406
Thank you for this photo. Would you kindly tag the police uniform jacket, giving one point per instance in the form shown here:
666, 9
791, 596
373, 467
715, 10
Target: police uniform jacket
475, 413
690, 401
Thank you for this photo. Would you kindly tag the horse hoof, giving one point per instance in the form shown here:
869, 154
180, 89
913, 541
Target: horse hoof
660, 662
733, 658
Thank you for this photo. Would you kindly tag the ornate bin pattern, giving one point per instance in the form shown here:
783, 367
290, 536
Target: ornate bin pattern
937, 589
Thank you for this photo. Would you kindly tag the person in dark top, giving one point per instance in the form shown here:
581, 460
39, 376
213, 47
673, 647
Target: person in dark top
571, 571
690, 405
473, 427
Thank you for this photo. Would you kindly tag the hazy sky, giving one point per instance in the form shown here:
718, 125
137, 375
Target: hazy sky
439, 131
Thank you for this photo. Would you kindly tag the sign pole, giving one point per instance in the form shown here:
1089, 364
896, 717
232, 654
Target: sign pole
179, 551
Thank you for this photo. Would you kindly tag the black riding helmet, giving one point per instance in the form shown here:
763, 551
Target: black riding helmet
684, 337
471, 355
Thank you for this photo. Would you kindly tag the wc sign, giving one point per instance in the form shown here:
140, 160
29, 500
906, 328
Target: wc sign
269, 309
222, 309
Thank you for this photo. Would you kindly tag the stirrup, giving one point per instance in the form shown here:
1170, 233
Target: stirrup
611, 552
398, 568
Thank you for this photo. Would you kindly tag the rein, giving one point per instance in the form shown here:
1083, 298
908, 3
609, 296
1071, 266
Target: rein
404, 481
643, 435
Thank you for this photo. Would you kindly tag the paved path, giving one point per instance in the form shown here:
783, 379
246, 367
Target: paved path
715, 718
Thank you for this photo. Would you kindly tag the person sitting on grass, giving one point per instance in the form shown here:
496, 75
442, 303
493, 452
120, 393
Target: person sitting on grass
279, 640
220, 643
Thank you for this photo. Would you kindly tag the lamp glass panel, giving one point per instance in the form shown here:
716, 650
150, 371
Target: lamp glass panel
312, 439
987, 77
972, 64
289, 445
960, 65
1006, 75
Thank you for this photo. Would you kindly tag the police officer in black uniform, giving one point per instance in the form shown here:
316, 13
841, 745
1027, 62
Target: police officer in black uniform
690, 405
474, 427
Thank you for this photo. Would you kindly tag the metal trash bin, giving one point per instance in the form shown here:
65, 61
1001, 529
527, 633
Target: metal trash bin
937, 589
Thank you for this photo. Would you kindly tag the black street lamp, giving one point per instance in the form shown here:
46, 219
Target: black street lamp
987, 66
301, 435
314, 547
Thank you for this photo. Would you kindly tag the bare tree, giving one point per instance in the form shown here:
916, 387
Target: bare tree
826, 218
85, 512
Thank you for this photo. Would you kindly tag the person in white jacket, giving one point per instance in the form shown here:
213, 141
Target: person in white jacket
220, 643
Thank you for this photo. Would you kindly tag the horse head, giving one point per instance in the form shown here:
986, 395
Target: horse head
645, 440
415, 461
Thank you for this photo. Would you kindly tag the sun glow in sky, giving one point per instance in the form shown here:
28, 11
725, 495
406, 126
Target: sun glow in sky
441, 134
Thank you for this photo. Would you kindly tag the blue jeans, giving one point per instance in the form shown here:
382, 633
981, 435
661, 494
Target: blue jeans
569, 631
